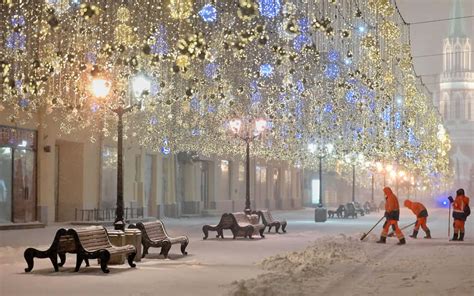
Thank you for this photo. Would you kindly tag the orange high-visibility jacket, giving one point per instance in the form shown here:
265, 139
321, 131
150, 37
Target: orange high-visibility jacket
391, 204
416, 207
460, 204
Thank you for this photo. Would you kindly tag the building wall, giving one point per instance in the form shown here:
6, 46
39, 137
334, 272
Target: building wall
175, 190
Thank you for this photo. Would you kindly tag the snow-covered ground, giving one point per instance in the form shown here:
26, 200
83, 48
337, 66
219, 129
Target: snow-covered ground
311, 259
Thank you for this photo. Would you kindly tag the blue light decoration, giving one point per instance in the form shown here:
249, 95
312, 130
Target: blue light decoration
16, 41
18, 84
269, 125
397, 120
332, 71
255, 96
303, 25
351, 96
211, 70
153, 120
269, 143
372, 105
18, 21
208, 13
300, 41
74, 3
24, 103
266, 70
91, 57
328, 108
284, 131
348, 61
269, 8
165, 149
211, 109
160, 46
333, 56
195, 132
154, 88
299, 136
95, 107
195, 104
412, 139
299, 108
300, 86
442, 201
387, 114
356, 133
362, 29
399, 100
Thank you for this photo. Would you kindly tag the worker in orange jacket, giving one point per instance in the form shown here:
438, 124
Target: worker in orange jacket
461, 211
392, 214
421, 216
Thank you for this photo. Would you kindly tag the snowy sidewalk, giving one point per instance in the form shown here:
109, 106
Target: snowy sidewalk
334, 262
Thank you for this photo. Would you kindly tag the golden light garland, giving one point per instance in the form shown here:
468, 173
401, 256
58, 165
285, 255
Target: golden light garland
316, 78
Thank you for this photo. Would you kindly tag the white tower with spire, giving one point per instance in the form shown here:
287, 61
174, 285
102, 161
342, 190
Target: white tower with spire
456, 99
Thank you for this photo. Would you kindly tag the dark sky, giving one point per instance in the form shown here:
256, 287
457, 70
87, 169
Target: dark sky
428, 38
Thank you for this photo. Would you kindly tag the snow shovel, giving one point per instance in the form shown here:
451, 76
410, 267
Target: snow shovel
449, 222
365, 234
404, 227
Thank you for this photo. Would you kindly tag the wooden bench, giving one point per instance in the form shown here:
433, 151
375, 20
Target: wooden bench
62, 244
226, 222
269, 221
246, 225
339, 212
350, 211
154, 235
93, 243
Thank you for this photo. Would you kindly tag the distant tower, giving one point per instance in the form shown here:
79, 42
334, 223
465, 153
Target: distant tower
456, 99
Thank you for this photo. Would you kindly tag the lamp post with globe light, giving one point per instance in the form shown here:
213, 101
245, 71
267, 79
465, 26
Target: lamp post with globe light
140, 86
353, 159
321, 151
247, 130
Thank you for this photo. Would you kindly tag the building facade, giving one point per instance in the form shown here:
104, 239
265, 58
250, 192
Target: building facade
50, 177
455, 98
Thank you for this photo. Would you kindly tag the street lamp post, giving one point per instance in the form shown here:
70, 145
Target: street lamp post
252, 129
373, 187
353, 182
352, 159
101, 88
321, 180
321, 151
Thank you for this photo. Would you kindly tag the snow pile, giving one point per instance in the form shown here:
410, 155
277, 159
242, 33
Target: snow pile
299, 272
318, 256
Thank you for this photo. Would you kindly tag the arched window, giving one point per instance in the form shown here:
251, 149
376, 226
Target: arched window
468, 56
445, 110
447, 56
457, 57
457, 108
469, 109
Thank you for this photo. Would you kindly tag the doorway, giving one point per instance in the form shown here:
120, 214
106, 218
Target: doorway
17, 175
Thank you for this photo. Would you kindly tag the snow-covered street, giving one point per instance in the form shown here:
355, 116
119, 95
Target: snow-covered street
310, 259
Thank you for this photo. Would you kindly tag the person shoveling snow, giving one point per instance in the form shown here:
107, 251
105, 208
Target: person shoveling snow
421, 216
392, 213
